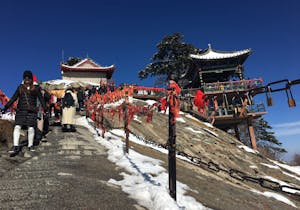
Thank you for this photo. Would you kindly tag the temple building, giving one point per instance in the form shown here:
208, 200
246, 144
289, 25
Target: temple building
86, 70
219, 66
229, 100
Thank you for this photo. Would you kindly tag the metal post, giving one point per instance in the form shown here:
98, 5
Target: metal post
102, 120
172, 155
252, 133
126, 118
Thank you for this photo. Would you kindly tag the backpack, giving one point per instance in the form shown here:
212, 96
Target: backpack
68, 100
80, 95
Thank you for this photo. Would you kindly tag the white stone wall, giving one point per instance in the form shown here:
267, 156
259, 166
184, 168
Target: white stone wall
94, 77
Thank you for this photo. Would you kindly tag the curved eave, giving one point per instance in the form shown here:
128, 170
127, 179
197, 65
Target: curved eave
108, 70
210, 54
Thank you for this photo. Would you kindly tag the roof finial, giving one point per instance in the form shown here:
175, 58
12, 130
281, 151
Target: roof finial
209, 46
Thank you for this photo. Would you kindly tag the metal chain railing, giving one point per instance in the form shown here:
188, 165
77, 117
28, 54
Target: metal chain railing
234, 173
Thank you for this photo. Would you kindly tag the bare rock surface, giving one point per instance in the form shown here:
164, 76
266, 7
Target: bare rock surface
71, 170
219, 154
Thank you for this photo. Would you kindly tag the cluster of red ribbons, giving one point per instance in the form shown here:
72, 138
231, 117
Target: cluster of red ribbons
173, 95
95, 107
111, 97
200, 101
4, 99
96, 111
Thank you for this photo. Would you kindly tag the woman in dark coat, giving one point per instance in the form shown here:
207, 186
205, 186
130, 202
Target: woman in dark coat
26, 113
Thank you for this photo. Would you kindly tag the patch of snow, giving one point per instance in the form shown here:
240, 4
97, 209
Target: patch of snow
210, 132
135, 118
270, 166
8, 116
145, 180
276, 196
211, 54
253, 166
194, 131
59, 81
67, 82
115, 104
282, 183
64, 174
191, 117
180, 119
295, 169
291, 175
247, 149
208, 125
150, 102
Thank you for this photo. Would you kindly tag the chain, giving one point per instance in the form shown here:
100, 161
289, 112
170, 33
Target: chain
215, 167
236, 174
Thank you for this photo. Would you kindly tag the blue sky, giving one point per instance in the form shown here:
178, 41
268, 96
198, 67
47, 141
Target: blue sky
125, 33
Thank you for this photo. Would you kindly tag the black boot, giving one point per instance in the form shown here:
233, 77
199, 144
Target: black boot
64, 128
14, 151
72, 128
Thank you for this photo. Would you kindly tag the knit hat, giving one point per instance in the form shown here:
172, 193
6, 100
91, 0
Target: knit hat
27, 73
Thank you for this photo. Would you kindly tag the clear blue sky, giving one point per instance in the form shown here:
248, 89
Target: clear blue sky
125, 33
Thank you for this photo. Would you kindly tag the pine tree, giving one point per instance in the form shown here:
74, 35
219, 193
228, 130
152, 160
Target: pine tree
173, 57
72, 61
266, 140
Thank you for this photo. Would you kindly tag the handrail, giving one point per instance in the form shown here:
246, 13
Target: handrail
233, 85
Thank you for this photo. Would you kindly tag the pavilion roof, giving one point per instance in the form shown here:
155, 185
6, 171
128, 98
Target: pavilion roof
88, 65
211, 54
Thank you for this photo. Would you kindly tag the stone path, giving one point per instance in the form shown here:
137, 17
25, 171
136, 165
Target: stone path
70, 171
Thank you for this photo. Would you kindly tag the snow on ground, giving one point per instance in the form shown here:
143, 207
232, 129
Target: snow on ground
7, 116
282, 183
194, 131
117, 103
190, 116
208, 125
291, 175
145, 180
67, 82
136, 118
136, 140
276, 196
270, 166
180, 119
150, 102
59, 81
211, 132
295, 169
247, 149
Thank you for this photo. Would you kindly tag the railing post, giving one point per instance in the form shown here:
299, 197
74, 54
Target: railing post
126, 119
252, 133
172, 155
173, 102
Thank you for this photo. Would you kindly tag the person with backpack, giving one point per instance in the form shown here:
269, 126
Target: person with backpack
26, 114
80, 97
69, 103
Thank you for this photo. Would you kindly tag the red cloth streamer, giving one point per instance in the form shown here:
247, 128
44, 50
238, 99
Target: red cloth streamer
4, 99
199, 100
174, 99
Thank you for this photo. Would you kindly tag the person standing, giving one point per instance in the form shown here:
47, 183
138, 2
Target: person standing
26, 113
81, 98
69, 103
